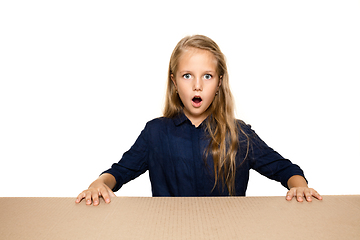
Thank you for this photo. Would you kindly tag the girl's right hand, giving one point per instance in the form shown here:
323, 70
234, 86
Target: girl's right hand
96, 190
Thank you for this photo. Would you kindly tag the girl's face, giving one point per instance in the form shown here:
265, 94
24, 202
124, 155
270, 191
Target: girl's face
197, 83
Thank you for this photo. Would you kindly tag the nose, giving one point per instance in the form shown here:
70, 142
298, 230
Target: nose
197, 84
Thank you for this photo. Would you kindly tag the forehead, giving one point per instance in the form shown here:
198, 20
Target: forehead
197, 58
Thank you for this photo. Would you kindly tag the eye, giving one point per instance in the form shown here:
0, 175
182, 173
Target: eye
187, 76
207, 76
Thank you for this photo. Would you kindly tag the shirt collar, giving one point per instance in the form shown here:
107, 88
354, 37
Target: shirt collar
180, 118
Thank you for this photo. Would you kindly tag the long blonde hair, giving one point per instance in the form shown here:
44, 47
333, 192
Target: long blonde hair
222, 126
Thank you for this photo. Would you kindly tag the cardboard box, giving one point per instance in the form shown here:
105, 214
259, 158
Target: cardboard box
335, 217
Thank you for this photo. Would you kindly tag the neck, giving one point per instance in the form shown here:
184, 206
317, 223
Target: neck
197, 120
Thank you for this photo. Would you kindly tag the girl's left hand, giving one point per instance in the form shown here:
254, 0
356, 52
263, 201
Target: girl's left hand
302, 192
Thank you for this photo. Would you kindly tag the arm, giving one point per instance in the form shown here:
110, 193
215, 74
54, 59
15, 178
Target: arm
101, 187
132, 164
272, 165
299, 189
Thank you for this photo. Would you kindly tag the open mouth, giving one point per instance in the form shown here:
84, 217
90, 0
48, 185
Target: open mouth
196, 101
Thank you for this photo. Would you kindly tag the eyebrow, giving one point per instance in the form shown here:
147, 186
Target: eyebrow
188, 71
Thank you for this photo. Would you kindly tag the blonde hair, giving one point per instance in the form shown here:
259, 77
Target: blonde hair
222, 126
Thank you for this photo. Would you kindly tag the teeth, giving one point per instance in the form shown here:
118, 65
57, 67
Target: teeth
197, 99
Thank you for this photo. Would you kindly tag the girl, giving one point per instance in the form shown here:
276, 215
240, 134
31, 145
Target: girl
198, 148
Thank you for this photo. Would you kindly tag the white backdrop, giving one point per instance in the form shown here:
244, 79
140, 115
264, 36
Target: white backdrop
79, 80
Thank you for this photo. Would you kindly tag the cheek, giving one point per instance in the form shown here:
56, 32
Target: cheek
214, 89
181, 93
183, 88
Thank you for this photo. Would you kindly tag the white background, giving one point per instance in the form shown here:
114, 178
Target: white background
79, 80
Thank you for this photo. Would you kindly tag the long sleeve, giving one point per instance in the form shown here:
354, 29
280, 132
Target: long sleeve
270, 163
133, 162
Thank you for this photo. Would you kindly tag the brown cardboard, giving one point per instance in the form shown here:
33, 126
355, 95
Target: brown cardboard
335, 217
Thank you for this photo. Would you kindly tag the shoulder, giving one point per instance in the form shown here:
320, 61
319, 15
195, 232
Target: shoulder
246, 133
160, 121
158, 129
244, 127
159, 124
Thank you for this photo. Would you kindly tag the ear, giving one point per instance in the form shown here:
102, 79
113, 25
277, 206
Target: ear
220, 80
173, 80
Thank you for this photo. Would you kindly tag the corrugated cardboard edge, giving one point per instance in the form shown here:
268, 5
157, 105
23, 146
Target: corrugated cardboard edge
335, 217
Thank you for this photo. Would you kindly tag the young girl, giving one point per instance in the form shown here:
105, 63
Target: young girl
198, 148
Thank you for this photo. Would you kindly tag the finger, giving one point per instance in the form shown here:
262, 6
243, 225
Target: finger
80, 197
308, 195
95, 197
299, 195
89, 196
105, 195
290, 194
316, 194
111, 193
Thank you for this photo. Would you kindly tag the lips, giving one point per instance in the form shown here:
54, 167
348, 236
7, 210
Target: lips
196, 101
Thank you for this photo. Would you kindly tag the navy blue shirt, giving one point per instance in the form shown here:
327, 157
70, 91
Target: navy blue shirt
172, 149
